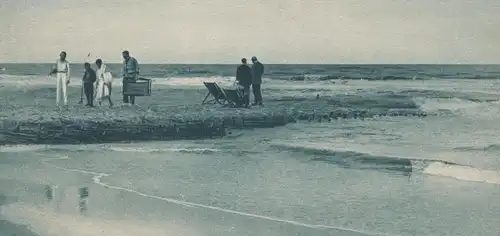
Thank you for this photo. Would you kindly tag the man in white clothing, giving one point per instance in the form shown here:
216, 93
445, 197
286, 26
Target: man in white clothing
62, 71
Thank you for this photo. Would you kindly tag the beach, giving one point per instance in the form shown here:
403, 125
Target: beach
177, 113
389, 156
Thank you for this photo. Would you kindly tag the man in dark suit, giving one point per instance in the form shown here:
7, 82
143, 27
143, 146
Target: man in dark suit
88, 84
244, 78
257, 72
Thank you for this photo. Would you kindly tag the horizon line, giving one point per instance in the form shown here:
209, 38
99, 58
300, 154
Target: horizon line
158, 63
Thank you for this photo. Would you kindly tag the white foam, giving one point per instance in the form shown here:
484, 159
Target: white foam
463, 173
137, 149
465, 108
97, 178
487, 110
25, 80
29, 81
194, 81
451, 104
45, 221
22, 148
149, 150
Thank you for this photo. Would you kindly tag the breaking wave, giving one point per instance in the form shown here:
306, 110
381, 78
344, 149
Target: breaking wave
492, 147
407, 166
375, 78
340, 77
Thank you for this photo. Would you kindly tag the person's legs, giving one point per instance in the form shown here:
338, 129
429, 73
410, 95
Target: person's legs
88, 93
254, 94
257, 94
91, 92
58, 88
246, 95
132, 100
99, 93
109, 95
125, 97
64, 85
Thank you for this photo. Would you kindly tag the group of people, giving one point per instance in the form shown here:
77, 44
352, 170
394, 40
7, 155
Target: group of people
247, 77
96, 85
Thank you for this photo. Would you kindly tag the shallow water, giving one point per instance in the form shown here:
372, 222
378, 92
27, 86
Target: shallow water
437, 175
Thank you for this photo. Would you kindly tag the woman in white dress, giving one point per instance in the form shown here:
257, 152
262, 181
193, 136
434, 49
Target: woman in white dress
103, 83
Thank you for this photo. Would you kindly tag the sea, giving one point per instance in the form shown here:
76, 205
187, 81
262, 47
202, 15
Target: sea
384, 175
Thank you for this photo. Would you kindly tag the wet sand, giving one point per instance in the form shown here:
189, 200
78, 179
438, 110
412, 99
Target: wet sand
119, 210
9, 229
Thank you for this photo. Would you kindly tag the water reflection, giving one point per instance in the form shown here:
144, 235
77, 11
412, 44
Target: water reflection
84, 194
51, 191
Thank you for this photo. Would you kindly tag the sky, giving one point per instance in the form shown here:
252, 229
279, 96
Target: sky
276, 31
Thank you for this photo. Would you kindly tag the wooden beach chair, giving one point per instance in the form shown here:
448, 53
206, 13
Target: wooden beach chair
219, 97
234, 97
225, 97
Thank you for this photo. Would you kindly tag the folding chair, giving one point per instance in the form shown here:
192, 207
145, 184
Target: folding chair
233, 97
219, 96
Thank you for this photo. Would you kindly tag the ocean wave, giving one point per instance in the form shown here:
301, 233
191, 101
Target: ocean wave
358, 160
36, 81
343, 77
484, 110
22, 148
404, 165
287, 71
430, 101
437, 102
381, 78
466, 173
374, 101
444, 105
429, 93
492, 147
162, 150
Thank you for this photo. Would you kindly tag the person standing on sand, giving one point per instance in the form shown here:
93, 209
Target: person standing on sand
88, 84
103, 83
244, 78
130, 73
257, 72
62, 71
